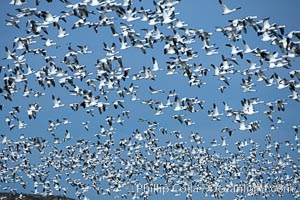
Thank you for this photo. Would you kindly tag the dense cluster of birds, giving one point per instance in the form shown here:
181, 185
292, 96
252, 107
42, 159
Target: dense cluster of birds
101, 90
131, 167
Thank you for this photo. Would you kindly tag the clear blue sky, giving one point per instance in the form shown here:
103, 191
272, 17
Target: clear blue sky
206, 15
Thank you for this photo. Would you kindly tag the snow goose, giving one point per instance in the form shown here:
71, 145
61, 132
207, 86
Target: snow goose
226, 10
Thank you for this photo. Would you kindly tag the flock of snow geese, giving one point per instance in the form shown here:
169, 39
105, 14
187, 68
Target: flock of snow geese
127, 139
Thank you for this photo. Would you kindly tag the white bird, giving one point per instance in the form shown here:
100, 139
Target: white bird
48, 42
188, 121
243, 126
224, 143
256, 100
161, 105
18, 2
155, 91
294, 95
57, 102
120, 120
227, 130
215, 113
67, 136
227, 108
86, 125
247, 47
282, 83
167, 14
155, 65
226, 10
248, 107
134, 97
21, 124
253, 65
123, 43
95, 3
4, 139
158, 111
62, 32
130, 15
32, 110
178, 107
84, 49
171, 70
235, 50
118, 103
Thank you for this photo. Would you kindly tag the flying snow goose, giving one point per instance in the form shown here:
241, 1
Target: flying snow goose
57, 102
226, 10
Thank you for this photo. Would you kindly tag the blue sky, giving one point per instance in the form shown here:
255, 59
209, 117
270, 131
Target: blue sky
205, 15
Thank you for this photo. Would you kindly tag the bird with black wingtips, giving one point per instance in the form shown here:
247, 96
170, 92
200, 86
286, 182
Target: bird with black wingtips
103, 85
227, 10
57, 102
